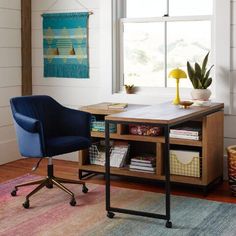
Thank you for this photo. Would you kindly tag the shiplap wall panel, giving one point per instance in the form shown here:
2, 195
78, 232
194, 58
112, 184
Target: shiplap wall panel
9, 151
10, 19
10, 4
7, 93
7, 133
10, 57
10, 38
10, 76
5, 117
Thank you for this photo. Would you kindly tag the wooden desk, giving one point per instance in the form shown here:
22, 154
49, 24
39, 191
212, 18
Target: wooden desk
167, 115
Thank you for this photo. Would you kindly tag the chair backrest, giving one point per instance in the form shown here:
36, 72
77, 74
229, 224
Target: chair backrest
42, 108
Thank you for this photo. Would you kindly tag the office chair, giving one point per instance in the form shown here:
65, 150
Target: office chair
44, 128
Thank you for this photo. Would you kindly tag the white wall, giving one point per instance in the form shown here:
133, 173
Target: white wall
10, 74
74, 92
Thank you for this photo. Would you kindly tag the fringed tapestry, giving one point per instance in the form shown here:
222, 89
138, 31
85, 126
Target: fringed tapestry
65, 45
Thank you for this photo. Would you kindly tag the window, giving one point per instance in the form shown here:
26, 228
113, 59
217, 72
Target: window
155, 36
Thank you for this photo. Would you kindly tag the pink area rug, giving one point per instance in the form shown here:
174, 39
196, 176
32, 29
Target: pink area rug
50, 213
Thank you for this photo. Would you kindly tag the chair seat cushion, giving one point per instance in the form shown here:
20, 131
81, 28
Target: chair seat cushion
65, 144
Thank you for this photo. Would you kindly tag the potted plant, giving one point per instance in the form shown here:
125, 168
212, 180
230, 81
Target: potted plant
201, 80
129, 88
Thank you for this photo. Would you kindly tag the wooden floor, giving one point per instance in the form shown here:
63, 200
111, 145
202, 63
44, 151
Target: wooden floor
68, 169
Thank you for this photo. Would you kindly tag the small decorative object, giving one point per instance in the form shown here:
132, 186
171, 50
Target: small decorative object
177, 74
145, 130
129, 88
185, 104
201, 80
231, 150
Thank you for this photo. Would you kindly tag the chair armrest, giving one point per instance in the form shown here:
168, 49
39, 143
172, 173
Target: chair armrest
75, 122
27, 123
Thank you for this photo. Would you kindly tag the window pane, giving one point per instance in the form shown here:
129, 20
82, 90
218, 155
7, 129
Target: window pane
145, 8
187, 41
190, 7
144, 54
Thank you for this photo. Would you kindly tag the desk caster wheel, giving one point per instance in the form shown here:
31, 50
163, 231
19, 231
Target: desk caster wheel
110, 214
168, 224
26, 204
84, 189
13, 193
72, 202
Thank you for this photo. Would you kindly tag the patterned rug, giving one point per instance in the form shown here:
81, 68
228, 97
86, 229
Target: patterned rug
51, 214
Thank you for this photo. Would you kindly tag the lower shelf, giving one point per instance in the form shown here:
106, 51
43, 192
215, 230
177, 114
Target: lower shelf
127, 172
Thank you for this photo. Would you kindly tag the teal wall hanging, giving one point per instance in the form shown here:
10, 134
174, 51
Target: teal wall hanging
65, 45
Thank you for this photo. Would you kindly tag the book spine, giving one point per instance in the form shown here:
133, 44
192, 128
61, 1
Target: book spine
141, 167
184, 132
142, 161
190, 137
142, 164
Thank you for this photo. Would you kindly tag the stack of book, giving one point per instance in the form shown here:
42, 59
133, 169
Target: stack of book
143, 164
186, 132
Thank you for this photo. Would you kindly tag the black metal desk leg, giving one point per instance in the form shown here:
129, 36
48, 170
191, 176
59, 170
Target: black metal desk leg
167, 175
107, 174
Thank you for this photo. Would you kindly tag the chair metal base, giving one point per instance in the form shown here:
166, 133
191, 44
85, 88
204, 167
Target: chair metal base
49, 182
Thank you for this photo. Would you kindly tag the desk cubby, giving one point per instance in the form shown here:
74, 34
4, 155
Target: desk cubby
210, 147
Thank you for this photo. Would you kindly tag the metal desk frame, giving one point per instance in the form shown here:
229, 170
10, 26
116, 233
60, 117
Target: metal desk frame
110, 209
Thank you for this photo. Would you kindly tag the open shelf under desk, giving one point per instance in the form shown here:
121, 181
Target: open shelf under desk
119, 171
158, 139
139, 174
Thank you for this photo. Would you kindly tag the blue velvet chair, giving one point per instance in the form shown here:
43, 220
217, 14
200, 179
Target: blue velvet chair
45, 128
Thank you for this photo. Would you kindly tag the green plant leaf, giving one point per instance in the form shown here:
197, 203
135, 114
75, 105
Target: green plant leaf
207, 83
190, 70
198, 71
195, 83
204, 64
199, 86
208, 72
191, 74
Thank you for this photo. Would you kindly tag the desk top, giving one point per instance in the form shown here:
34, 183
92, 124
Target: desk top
164, 113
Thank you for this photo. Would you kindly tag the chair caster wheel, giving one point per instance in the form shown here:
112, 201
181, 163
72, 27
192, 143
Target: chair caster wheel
110, 214
84, 189
49, 185
13, 193
168, 224
26, 204
72, 202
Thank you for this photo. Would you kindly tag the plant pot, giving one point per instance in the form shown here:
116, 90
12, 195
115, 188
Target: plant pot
201, 94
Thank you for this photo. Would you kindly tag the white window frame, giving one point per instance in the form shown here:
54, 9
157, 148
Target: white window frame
164, 19
221, 43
